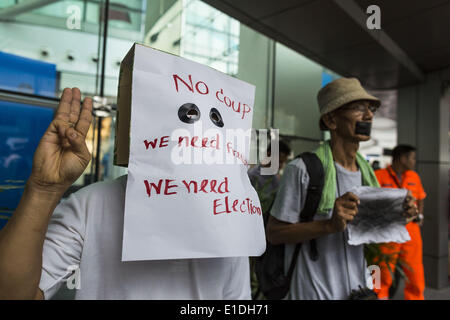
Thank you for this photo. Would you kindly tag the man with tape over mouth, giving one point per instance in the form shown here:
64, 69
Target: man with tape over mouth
326, 266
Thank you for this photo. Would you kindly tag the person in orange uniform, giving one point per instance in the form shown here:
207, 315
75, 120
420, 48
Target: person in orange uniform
401, 175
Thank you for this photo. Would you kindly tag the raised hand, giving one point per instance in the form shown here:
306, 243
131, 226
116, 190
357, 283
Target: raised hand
62, 154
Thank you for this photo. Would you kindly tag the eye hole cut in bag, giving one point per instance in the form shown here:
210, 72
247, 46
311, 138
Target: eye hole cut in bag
189, 113
216, 117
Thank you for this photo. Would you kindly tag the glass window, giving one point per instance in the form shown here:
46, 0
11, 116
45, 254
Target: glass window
210, 37
45, 47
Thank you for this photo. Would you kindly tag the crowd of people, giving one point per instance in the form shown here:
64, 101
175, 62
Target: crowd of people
45, 236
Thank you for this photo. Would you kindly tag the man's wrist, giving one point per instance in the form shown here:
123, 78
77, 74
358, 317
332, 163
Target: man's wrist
328, 226
45, 193
36, 206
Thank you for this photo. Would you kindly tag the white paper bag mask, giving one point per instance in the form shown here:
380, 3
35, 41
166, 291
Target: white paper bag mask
188, 194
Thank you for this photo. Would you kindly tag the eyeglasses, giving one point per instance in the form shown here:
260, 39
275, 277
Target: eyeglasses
362, 108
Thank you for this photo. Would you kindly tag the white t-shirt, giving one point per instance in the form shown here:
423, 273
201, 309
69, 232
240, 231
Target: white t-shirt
86, 231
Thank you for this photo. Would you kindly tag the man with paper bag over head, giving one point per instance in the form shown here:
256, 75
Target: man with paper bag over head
183, 222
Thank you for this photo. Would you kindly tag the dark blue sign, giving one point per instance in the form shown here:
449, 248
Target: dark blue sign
27, 75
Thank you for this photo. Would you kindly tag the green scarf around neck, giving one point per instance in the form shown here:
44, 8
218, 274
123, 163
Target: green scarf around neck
325, 155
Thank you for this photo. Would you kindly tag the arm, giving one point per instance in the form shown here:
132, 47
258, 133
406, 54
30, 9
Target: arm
21, 242
59, 160
345, 208
284, 232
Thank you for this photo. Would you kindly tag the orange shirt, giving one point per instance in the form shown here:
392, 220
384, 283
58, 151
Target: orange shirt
410, 180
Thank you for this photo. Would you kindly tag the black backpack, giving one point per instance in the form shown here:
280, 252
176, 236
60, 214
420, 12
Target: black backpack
269, 267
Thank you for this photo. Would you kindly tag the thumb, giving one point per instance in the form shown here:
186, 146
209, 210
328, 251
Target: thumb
77, 142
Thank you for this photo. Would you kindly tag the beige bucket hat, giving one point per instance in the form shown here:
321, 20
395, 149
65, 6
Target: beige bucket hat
340, 92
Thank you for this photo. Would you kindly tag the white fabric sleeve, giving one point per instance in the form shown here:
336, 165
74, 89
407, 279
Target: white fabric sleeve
291, 195
63, 244
238, 287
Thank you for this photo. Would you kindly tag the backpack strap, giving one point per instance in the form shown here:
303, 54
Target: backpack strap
316, 174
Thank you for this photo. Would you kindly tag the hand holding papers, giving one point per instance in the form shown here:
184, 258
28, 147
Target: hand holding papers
380, 216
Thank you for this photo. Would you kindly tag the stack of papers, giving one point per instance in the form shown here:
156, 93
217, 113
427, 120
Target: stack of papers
380, 216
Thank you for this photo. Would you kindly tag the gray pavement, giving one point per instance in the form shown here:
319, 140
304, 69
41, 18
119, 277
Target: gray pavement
430, 294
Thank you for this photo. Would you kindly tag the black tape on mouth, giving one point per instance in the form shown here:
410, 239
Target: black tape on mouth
363, 128
189, 113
